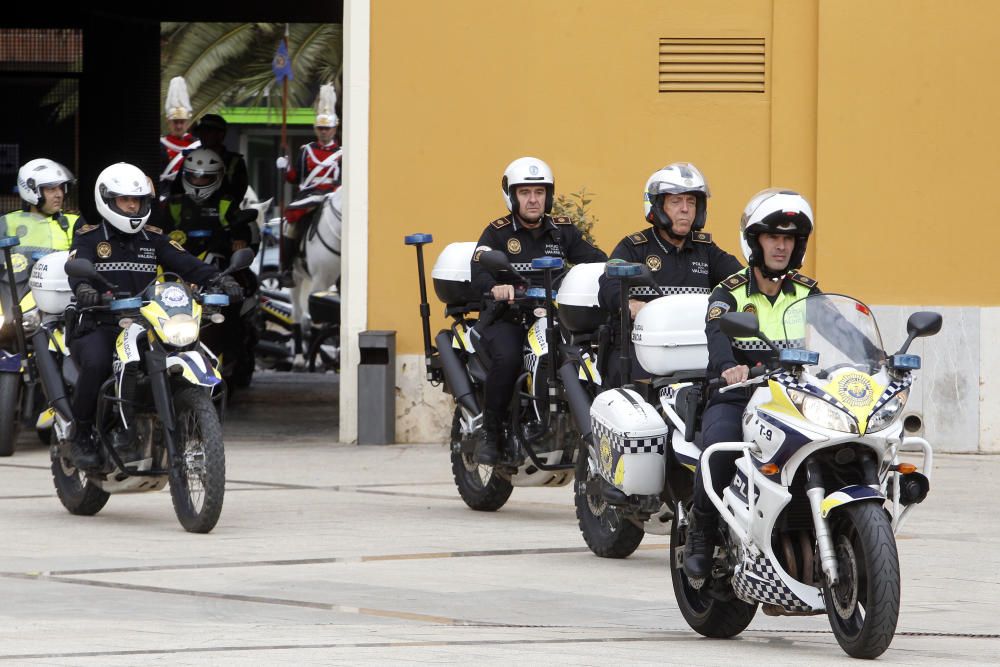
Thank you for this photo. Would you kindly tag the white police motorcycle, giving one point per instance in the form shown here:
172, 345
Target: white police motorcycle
820, 489
542, 443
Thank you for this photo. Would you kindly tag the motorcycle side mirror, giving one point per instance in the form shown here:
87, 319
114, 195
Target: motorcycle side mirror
740, 325
920, 324
496, 262
240, 260
81, 268
744, 325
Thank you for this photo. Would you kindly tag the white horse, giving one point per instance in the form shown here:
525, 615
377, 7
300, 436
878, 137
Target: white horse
318, 267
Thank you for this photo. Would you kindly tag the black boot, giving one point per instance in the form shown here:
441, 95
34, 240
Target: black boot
84, 450
700, 546
289, 248
488, 452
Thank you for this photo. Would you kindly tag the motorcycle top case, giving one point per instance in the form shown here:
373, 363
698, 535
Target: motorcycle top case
452, 274
577, 298
630, 438
49, 283
669, 334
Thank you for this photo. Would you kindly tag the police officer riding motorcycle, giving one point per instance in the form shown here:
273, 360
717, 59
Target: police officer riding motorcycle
211, 226
125, 252
528, 232
38, 229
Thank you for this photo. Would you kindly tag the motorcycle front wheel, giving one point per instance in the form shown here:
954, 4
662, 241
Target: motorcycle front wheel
198, 482
10, 401
707, 615
77, 493
863, 606
606, 530
480, 486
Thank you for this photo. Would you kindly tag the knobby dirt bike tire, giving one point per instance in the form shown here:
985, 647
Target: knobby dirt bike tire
199, 441
608, 533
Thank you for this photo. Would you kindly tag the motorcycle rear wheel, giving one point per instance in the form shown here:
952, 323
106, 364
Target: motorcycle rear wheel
864, 605
480, 486
707, 615
77, 493
10, 402
198, 484
606, 530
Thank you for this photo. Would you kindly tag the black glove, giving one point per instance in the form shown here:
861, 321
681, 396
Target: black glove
87, 296
231, 288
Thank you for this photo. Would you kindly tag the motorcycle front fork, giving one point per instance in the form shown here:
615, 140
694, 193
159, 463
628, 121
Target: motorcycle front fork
816, 492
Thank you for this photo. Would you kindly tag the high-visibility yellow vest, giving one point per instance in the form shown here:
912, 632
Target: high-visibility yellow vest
38, 231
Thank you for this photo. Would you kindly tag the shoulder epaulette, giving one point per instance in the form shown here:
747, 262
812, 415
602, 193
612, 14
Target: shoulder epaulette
638, 238
562, 220
86, 229
501, 222
701, 237
151, 228
802, 280
736, 280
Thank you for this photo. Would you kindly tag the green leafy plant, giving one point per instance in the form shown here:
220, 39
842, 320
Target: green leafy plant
576, 205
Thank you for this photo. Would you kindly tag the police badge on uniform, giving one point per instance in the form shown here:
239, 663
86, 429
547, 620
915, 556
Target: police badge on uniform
513, 246
750, 308
654, 262
104, 250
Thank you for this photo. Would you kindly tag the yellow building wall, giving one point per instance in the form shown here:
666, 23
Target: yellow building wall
908, 150
877, 111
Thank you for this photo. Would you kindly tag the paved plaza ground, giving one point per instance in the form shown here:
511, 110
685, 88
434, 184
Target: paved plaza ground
335, 554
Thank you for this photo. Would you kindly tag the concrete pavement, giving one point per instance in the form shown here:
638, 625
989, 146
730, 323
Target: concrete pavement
335, 554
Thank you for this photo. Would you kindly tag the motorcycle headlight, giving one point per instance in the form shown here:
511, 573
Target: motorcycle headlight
821, 413
887, 414
180, 329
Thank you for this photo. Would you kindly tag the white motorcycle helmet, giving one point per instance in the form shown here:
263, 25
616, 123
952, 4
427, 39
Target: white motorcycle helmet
123, 180
775, 211
675, 179
527, 171
41, 173
202, 174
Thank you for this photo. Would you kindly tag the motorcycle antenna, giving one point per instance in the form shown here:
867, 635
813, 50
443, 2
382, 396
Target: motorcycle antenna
617, 268
420, 240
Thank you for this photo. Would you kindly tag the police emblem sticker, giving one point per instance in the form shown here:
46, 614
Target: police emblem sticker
174, 297
513, 246
750, 308
855, 390
18, 262
605, 454
479, 251
654, 262
104, 250
178, 246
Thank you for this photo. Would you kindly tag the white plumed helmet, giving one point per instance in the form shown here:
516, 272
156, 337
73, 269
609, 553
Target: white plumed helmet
326, 107
178, 105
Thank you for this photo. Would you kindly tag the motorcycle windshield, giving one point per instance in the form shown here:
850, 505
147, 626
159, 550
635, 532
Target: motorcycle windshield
841, 329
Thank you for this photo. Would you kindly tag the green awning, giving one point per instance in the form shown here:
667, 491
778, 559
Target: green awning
267, 115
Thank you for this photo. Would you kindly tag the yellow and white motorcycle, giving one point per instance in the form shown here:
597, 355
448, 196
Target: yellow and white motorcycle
820, 490
158, 415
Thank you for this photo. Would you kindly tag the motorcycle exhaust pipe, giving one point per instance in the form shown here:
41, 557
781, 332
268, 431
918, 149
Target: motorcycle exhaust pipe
52, 382
455, 375
576, 396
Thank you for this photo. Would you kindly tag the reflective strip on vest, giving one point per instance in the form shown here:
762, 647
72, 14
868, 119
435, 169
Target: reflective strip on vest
770, 318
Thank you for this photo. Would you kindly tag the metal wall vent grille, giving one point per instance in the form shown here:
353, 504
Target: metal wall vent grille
712, 64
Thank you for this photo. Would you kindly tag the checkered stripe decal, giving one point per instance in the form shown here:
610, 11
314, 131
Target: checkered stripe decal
790, 382
521, 267
654, 445
756, 580
125, 266
755, 345
666, 291
890, 391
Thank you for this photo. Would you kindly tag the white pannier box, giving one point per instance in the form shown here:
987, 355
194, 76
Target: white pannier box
669, 334
630, 438
452, 274
577, 298
49, 283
